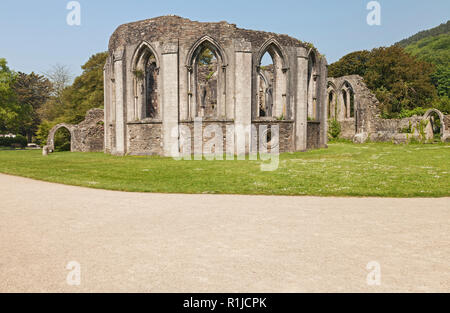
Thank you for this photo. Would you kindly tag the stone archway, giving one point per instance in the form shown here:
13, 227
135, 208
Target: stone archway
429, 129
51, 136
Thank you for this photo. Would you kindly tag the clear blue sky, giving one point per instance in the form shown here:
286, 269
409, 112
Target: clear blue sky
34, 34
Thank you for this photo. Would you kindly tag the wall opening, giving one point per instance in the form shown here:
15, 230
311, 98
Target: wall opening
347, 101
62, 140
331, 104
206, 64
206, 71
313, 113
265, 84
146, 84
271, 84
435, 126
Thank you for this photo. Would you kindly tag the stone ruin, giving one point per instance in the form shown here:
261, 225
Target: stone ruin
88, 136
164, 73
357, 110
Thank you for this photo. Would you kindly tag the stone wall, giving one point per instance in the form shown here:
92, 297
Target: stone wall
286, 130
313, 135
232, 92
366, 122
88, 136
144, 138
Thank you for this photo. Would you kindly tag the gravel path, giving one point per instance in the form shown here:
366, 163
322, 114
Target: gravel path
134, 242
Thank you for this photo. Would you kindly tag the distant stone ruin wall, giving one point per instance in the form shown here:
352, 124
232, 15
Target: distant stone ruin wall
358, 111
88, 136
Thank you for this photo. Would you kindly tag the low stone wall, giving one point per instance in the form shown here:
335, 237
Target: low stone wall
286, 128
396, 125
348, 128
313, 133
144, 139
88, 136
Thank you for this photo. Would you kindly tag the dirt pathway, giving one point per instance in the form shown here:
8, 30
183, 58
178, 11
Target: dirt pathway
135, 242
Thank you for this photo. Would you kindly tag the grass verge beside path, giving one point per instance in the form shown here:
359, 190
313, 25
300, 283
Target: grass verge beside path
345, 169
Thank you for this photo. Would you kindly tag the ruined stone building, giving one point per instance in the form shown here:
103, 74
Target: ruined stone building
87, 136
169, 71
359, 113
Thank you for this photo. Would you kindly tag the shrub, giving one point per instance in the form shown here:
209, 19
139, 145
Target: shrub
18, 142
442, 104
334, 129
407, 130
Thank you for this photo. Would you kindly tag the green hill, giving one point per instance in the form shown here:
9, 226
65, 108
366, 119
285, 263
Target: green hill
436, 31
433, 46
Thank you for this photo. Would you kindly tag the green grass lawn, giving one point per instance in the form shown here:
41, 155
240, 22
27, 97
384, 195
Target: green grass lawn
345, 169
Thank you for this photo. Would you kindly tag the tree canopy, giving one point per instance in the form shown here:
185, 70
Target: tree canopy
9, 110
31, 90
435, 50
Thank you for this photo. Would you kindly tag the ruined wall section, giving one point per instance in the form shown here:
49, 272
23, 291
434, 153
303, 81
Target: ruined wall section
87, 136
367, 124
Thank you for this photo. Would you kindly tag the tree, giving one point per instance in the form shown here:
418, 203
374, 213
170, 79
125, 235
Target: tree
435, 50
400, 81
9, 110
87, 90
206, 57
32, 91
354, 63
60, 76
74, 101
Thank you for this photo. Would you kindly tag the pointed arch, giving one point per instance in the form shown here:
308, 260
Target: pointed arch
331, 100
345, 83
138, 53
346, 99
213, 104
212, 44
270, 46
312, 85
278, 82
332, 85
145, 72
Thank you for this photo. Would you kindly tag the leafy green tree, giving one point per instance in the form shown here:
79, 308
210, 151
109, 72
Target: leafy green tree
406, 79
354, 63
9, 109
206, 57
435, 50
32, 91
87, 90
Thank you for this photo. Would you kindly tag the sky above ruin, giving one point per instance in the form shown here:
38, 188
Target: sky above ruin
34, 35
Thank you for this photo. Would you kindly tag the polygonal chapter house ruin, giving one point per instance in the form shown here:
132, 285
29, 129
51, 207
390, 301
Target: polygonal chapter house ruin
170, 71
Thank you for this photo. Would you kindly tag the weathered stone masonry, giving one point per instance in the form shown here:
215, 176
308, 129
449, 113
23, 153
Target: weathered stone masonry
88, 136
358, 111
155, 81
